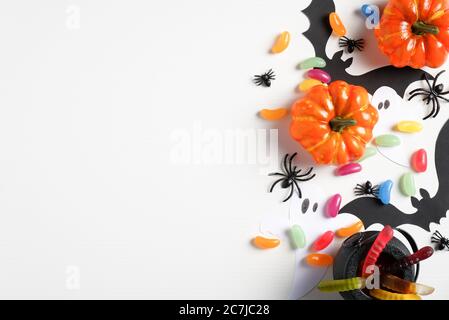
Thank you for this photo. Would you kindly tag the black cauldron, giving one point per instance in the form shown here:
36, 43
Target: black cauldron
349, 260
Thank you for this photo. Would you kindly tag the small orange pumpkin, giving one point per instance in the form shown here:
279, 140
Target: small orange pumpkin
415, 33
334, 123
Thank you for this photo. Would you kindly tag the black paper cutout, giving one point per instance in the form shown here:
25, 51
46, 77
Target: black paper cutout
318, 34
429, 210
369, 209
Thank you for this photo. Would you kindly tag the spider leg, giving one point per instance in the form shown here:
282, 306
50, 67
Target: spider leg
277, 174
417, 94
445, 99
306, 174
438, 108
275, 183
436, 79
419, 90
291, 161
290, 195
299, 190
306, 179
438, 234
431, 113
427, 80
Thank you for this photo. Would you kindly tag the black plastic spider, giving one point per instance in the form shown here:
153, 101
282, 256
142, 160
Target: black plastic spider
434, 93
265, 79
442, 242
366, 189
351, 44
291, 177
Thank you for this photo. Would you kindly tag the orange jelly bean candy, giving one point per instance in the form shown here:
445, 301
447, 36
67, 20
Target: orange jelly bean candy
281, 43
266, 243
319, 260
337, 25
349, 231
273, 114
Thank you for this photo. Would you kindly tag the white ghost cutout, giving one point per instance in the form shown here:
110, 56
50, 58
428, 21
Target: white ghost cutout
314, 224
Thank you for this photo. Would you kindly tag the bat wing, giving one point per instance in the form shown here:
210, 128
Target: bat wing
370, 211
397, 78
319, 31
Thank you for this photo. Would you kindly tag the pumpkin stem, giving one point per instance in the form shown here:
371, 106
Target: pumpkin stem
420, 28
338, 124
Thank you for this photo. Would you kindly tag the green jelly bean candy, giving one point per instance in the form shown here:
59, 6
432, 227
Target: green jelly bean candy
388, 140
311, 63
407, 185
298, 237
369, 152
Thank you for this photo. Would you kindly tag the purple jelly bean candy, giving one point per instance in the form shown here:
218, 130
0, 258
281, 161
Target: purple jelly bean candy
349, 169
333, 206
320, 75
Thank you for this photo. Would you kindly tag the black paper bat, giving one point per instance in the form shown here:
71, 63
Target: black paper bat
368, 209
429, 210
319, 33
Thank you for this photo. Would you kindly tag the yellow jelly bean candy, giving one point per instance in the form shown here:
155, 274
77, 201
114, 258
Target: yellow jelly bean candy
281, 43
409, 126
266, 243
306, 85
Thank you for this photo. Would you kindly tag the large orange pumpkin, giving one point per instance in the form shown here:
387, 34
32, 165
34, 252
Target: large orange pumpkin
334, 123
415, 33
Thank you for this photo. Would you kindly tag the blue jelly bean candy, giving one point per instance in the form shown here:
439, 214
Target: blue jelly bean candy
384, 193
367, 10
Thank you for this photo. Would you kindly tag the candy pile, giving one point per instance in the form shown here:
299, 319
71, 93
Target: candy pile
324, 260
391, 287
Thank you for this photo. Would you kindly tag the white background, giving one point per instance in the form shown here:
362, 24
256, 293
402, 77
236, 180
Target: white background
92, 203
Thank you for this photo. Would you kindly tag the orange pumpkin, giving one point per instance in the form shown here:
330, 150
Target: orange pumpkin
334, 123
415, 33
